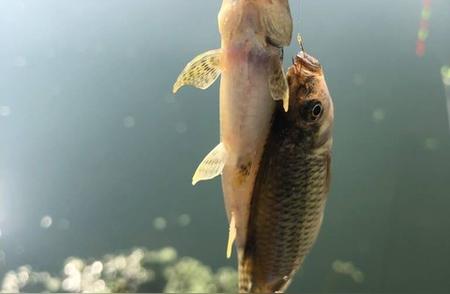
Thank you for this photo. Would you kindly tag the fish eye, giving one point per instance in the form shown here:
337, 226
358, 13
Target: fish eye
317, 110
312, 110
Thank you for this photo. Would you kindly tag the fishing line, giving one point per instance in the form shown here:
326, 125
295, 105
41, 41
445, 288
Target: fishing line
299, 36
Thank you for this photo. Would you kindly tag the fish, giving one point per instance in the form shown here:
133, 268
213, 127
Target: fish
249, 63
292, 184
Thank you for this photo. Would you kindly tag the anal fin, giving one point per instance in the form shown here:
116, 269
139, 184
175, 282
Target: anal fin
212, 165
278, 85
201, 72
231, 235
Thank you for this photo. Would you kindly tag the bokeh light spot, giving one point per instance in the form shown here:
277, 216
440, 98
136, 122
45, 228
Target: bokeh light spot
160, 223
422, 35
129, 122
184, 220
349, 269
46, 222
426, 13
445, 72
5, 110
431, 144
378, 115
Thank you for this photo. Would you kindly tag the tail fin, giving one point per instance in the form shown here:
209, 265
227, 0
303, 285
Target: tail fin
244, 268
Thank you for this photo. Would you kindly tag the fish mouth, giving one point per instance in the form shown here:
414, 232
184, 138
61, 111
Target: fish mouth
307, 61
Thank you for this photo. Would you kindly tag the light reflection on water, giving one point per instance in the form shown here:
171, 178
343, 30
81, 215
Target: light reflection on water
138, 270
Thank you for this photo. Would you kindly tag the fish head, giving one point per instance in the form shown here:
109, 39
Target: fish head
310, 105
261, 23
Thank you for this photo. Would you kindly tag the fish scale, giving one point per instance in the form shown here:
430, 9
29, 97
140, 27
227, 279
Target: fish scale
288, 213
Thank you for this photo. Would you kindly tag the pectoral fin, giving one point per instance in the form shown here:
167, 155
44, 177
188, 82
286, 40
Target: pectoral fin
212, 165
201, 72
231, 235
277, 20
278, 85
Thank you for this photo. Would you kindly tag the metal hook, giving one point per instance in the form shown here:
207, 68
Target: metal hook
300, 42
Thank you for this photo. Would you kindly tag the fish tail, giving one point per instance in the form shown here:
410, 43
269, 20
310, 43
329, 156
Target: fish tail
245, 283
250, 283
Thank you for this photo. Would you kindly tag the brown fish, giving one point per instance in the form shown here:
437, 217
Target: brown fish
292, 183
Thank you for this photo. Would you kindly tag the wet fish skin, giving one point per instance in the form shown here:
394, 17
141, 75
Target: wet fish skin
252, 79
247, 103
292, 184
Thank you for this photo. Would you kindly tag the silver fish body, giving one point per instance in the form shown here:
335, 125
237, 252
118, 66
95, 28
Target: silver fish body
292, 183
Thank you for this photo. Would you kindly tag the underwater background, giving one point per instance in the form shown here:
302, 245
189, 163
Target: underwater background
96, 154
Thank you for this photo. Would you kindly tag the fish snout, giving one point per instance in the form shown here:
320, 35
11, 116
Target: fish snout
306, 62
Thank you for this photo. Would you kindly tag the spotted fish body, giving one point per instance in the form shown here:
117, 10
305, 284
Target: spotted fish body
292, 183
249, 60
249, 64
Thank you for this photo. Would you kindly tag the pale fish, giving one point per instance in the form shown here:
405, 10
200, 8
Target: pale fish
253, 33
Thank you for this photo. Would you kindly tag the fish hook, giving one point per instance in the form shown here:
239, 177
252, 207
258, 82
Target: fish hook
302, 51
300, 42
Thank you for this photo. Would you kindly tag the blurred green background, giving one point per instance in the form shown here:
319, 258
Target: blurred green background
96, 154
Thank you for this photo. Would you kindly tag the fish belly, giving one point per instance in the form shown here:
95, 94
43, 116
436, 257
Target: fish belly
246, 109
286, 215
